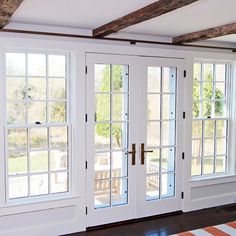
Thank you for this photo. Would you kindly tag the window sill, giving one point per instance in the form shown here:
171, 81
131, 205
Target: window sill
24, 206
211, 180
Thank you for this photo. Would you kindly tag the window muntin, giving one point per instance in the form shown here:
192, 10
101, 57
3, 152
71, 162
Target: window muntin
210, 119
37, 124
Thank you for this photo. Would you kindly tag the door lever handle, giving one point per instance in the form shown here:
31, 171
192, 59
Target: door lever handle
143, 151
133, 153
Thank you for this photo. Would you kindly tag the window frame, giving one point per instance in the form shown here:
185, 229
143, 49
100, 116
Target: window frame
227, 118
68, 123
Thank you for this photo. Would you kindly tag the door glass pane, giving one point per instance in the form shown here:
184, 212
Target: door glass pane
169, 80
102, 165
102, 78
102, 194
168, 160
111, 132
153, 162
119, 136
153, 134
102, 107
168, 137
161, 134
119, 164
168, 106
154, 79
119, 192
167, 185
152, 187
153, 103
102, 136
119, 78
119, 107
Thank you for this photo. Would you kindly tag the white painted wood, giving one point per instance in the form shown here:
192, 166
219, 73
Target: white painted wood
126, 211
155, 207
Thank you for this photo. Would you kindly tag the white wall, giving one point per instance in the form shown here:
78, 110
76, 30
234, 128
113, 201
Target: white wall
67, 215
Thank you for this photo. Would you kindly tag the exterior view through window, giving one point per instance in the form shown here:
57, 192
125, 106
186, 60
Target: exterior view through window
37, 129
210, 119
111, 135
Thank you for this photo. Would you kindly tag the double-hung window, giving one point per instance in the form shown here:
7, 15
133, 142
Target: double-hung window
37, 124
210, 119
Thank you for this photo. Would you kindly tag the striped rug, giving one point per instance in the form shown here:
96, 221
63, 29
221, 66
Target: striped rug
228, 229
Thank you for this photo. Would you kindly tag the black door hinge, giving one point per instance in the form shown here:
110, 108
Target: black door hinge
184, 115
86, 70
183, 155
86, 117
86, 210
185, 73
86, 165
182, 195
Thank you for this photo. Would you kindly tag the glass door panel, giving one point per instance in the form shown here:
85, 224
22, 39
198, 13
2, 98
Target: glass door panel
160, 85
160, 164
111, 135
110, 177
133, 101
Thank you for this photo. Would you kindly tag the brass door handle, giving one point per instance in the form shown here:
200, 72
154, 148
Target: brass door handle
133, 153
143, 151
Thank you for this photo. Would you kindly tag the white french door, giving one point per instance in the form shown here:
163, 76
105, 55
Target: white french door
133, 143
161, 133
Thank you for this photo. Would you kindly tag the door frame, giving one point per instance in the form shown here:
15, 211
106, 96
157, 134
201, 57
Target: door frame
135, 211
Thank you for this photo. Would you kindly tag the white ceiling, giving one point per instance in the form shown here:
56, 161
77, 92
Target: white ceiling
89, 14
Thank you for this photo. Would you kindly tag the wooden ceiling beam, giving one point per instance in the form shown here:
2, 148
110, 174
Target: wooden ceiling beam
7, 9
206, 34
146, 13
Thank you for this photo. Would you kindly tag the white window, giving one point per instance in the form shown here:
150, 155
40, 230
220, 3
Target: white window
37, 124
210, 119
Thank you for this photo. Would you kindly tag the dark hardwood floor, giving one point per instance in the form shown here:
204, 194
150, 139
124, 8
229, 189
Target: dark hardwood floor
167, 225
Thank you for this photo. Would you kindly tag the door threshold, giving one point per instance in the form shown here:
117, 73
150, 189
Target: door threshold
133, 221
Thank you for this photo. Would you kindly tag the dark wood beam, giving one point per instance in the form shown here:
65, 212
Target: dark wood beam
206, 34
146, 13
7, 9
